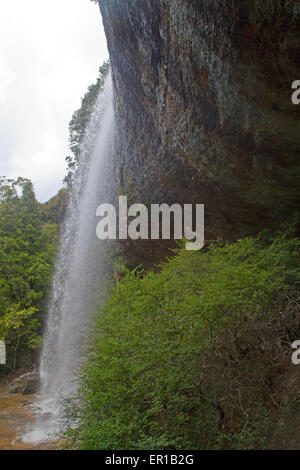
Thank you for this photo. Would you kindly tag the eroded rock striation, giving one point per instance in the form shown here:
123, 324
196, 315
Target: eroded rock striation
203, 104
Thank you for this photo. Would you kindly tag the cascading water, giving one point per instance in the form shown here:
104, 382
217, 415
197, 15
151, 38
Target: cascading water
77, 287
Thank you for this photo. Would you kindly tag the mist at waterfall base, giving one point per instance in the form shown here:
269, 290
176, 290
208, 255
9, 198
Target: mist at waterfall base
77, 289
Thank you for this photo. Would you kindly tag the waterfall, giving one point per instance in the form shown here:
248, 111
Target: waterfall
77, 288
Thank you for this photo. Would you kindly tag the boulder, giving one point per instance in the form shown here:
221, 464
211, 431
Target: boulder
27, 384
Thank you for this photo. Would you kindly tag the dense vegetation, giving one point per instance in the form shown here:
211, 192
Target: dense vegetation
53, 211
27, 250
80, 120
193, 355
197, 355
28, 244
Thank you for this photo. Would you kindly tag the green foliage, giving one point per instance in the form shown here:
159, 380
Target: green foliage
184, 358
53, 211
80, 120
20, 327
119, 264
27, 250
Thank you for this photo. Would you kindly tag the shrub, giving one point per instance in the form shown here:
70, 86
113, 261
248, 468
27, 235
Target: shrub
190, 357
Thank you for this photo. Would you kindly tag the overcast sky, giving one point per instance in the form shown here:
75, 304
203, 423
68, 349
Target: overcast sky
50, 52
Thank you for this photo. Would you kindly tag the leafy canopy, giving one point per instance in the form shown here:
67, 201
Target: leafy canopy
27, 250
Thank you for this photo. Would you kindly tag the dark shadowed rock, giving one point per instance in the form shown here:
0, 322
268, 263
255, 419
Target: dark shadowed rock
204, 111
27, 384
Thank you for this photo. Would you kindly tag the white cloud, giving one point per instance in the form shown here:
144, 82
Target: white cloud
50, 51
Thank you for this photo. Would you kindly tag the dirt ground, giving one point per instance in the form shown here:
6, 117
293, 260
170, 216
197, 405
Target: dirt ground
15, 415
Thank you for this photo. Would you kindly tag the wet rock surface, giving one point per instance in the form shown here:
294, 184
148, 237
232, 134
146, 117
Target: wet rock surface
204, 111
26, 384
16, 414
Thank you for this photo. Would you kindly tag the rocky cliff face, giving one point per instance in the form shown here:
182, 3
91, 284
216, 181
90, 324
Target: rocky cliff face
203, 101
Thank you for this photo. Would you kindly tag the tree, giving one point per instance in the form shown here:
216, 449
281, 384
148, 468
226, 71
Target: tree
27, 250
19, 328
53, 211
80, 120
